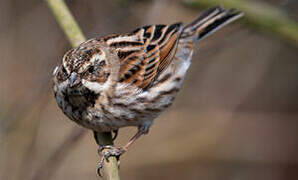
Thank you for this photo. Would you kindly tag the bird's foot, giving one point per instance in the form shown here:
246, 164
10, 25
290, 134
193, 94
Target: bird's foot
107, 151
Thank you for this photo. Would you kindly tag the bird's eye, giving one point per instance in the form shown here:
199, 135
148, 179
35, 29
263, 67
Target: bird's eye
91, 69
64, 70
102, 63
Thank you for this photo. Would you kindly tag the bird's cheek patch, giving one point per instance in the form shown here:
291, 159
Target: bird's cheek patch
93, 86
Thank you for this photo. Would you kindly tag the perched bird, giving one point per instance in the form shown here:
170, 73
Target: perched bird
129, 79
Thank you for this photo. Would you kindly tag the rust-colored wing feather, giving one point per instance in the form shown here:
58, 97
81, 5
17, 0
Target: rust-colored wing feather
145, 53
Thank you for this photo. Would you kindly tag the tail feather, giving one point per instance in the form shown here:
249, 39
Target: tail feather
208, 22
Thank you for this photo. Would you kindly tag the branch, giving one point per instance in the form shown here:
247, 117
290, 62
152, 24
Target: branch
75, 37
67, 22
110, 169
258, 15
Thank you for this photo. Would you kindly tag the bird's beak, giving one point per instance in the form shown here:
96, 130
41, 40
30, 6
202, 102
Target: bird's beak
74, 79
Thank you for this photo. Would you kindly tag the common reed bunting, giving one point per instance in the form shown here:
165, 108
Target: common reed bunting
129, 79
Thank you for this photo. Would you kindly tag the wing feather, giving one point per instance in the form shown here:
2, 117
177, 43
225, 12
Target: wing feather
145, 53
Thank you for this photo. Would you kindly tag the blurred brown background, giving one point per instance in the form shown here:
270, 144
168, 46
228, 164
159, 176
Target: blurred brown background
234, 119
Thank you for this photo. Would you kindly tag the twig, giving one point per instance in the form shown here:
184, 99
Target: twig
109, 169
66, 21
258, 15
75, 37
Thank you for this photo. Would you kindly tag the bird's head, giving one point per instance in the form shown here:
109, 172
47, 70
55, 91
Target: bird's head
91, 65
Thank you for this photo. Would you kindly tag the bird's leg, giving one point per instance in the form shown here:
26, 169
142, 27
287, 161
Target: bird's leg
115, 134
97, 140
142, 130
95, 137
114, 151
108, 150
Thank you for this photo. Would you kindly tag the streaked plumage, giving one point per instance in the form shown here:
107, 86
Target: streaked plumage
129, 79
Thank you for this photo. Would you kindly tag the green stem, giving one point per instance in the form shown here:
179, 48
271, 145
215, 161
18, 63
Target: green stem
110, 171
66, 21
75, 37
258, 15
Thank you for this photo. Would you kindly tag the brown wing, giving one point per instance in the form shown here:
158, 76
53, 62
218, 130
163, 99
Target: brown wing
145, 53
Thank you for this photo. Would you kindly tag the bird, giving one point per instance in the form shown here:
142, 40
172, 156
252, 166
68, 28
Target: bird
129, 79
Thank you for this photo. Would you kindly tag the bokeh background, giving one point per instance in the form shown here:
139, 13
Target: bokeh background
236, 117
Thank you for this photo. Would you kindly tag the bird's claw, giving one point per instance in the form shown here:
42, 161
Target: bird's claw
106, 152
